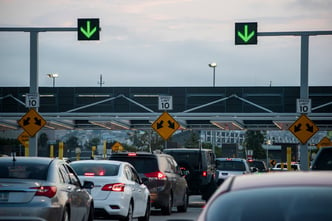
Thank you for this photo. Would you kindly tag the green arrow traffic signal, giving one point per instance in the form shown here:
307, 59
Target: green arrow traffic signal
88, 29
246, 33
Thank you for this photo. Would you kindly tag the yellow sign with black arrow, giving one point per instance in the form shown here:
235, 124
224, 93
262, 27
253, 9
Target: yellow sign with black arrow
32, 122
165, 125
303, 128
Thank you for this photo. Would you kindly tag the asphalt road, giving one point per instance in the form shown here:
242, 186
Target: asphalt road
195, 206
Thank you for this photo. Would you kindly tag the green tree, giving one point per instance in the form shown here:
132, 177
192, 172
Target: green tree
71, 143
253, 141
193, 140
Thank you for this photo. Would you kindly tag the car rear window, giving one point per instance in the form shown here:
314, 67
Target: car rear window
141, 164
191, 160
230, 165
95, 169
23, 170
273, 204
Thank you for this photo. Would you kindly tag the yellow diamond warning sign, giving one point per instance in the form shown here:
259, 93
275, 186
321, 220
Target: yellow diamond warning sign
303, 128
165, 125
32, 122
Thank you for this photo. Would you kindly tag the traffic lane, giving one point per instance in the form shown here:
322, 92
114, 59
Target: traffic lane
195, 207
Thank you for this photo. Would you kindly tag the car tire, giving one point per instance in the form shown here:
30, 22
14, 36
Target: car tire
146, 216
209, 190
65, 216
129, 216
91, 213
183, 208
167, 210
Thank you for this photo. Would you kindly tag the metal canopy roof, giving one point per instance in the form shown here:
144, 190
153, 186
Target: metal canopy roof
262, 108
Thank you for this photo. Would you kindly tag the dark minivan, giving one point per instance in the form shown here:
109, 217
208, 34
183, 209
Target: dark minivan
164, 179
323, 159
200, 163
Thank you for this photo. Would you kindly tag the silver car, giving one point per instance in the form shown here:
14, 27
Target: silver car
40, 189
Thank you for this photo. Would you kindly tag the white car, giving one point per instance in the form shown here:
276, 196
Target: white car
294, 167
227, 167
118, 191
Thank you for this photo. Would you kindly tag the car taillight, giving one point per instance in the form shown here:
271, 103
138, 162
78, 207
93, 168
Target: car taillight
89, 174
156, 175
204, 173
132, 154
116, 187
48, 191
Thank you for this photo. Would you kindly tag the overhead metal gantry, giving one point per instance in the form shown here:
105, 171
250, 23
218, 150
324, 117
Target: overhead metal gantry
230, 108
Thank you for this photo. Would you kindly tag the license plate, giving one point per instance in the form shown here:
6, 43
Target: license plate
4, 196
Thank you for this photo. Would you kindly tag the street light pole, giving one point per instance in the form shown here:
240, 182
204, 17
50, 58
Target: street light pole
213, 65
53, 76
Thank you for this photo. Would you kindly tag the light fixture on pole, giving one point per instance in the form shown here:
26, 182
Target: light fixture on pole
53, 76
213, 65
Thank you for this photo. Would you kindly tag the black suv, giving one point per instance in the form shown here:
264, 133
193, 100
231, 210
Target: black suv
323, 159
162, 176
201, 166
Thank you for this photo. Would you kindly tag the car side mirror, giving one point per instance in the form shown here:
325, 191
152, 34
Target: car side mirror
145, 180
88, 185
254, 169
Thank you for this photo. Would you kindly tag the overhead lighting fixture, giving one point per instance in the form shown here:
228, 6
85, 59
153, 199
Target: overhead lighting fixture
8, 126
146, 95
61, 125
100, 125
94, 95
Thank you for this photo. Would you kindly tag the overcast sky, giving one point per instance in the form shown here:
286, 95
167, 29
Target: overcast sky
166, 42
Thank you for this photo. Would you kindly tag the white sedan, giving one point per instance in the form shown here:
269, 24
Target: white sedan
118, 191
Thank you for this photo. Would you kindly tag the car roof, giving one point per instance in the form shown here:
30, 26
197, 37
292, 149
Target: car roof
98, 162
230, 159
138, 154
43, 160
186, 149
301, 178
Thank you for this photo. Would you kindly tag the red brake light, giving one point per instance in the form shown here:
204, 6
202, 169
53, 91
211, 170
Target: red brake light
204, 173
48, 191
156, 175
228, 158
116, 187
132, 154
89, 174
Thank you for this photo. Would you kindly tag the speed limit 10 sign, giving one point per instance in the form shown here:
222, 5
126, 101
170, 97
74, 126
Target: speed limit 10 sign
32, 100
303, 106
165, 103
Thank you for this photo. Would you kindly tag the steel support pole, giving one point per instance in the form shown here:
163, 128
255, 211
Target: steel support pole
304, 94
33, 141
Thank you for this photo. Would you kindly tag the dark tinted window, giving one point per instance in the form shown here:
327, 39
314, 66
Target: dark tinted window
303, 203
191, 160
95, 169
230, 165
23, 170
141, 164
323, 160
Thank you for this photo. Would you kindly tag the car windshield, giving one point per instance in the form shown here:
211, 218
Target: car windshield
141, 164
23, 170
95, 169
303, 203
230, 165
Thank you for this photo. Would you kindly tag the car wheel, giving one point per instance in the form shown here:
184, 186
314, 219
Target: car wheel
167, 210
183, 208
146, 216
129, 216
91, 213
65, 216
